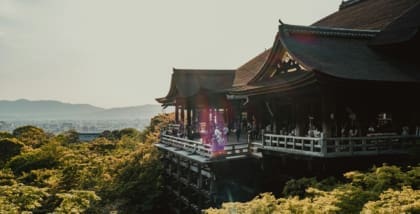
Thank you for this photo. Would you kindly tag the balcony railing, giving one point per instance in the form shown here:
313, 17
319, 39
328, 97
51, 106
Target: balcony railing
292, 144
206, 150
339, 147
192, 146
305, 146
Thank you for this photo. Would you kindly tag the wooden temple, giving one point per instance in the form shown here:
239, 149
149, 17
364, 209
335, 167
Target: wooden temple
345, 88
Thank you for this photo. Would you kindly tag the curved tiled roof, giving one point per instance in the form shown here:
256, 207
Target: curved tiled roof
337, 45
189, 82
367, 14
324, 50
248, 71
402, 29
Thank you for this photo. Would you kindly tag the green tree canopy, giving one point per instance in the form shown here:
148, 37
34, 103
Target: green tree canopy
31, 135
9, 147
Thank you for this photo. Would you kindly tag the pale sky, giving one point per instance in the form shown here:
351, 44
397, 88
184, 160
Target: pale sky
113, 53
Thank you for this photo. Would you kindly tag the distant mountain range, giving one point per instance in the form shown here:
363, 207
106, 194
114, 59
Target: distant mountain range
54, 110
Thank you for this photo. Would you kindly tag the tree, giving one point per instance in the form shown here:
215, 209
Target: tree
385, 189
9, 147
31, 136
76, 201
138, 180
20, 198
68, 137
47, 156
393, 201
5, 135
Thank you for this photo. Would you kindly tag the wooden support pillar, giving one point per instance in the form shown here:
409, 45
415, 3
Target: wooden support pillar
328, 117
189, 116
200, 185
194, 115
177, 188
325, 118
182, 114
326, 121
212, 183
189, 172
176, 114
226, 115
178, 171
200, 177
283, 161
309, 165
170, 166
300, 122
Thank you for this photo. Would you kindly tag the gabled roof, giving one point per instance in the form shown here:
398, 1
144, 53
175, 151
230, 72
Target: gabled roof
343, 54
336, 52
367, 14
189, 82
337, 45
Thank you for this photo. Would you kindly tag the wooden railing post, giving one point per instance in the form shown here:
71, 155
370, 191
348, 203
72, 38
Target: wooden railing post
200, 177
323, 143
250, 147
312, 145
364, 145
212, 187
294, 143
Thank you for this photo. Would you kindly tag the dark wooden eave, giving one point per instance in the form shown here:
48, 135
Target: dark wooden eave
189, 82
340, 53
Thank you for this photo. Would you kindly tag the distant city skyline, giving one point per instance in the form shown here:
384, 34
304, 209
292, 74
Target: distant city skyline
76, 103
120, 53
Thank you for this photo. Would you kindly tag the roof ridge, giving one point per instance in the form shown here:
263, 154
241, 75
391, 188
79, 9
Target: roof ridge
348, 3
204, 71
329, 31
200, 69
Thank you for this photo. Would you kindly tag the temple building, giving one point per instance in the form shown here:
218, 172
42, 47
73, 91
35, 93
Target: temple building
345, 87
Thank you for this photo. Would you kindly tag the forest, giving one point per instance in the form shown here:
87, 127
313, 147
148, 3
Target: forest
120, 172
384, 189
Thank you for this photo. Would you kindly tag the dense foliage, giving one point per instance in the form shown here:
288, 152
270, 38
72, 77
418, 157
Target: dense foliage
120, 171
43, 173
385, 189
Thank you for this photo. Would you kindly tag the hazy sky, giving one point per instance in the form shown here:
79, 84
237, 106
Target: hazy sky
121, 52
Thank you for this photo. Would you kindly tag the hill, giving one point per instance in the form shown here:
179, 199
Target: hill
55, 110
